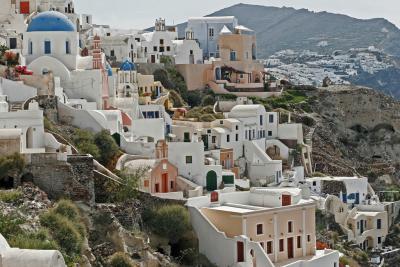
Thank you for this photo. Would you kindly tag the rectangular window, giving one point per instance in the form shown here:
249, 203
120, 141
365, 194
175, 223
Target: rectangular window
30, 48
233, 55
112, 53
271, 118
281, 245
168, 48
172, 184
290, 227
161, 41
261, 119
213, 139
259, 229
47, 47
269, 247
237, 127
211, 32
299, 241
309, 238
228, 138
162, 49
155, 48
379, 240
269, 133
379, 224
13, 43
237, 137
189, 160
67, 48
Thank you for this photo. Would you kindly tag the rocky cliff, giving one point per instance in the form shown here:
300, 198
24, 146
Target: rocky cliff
356, 131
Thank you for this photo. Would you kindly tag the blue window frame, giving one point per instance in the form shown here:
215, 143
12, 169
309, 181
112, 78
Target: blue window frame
47, 47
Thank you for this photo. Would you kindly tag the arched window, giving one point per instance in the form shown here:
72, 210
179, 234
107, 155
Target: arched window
67, 47
47, 47
30, 47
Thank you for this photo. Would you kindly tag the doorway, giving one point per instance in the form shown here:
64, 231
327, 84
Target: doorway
164, 182
290, 248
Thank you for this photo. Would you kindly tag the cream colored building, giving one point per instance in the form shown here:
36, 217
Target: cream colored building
261, 227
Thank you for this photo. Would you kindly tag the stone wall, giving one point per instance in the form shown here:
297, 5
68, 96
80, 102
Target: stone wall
72, 178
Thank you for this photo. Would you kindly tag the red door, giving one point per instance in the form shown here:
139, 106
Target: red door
240, 251
286, 200
290, 248
164, 182
157, 188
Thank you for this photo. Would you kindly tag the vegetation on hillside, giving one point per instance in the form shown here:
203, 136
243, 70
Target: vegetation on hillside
11, 165
289, 100
64, 223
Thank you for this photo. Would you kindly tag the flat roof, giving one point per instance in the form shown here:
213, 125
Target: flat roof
231, 209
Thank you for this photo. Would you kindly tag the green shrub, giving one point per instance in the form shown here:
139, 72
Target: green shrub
206, 118
40, 240
170, 221
13, 163
67, 209
208, 100
11, 196
107, 146
9, 225
64, 232
120, 259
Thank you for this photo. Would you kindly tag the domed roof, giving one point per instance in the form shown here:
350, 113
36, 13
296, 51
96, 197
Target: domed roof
51, 21
127, 66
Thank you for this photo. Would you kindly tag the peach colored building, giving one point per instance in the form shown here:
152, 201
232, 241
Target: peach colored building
262, 227
160, 176
235, 71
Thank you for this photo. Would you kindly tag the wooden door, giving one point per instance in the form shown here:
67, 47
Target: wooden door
290, 248
286, 200
240, 251
153, 59
157, 188
164, 182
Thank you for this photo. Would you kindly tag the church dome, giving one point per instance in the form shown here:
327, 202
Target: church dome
128, 66
51, 21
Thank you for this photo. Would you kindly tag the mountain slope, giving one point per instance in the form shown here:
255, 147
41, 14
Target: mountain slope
288, 28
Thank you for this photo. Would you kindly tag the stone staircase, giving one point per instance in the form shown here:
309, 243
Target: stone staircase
15, 106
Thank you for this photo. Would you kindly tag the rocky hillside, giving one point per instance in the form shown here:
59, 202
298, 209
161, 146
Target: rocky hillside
356, 131
288, 28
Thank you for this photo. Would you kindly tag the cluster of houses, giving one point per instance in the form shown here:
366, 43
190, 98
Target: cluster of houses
244, 175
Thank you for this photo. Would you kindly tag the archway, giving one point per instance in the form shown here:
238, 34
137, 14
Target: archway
27, 178
29, 138
212, 183
6, 182
274, 152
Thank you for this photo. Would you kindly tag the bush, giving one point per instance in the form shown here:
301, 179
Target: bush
170, 221
84, 142
120, 259
11, 196
206, 118
14, 163
40, 240
129, 187
194, 99
67, 209
9, 225
64, 232
107, 146
208, 100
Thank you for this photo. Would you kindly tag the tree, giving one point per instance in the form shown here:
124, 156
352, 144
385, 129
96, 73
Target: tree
171, 221
107, 146
130, 184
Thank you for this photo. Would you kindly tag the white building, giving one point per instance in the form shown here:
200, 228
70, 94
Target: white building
51, 44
